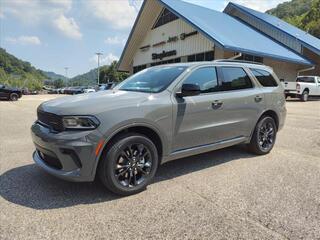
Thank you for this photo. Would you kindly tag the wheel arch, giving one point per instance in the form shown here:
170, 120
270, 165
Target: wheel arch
144, 129
272, 114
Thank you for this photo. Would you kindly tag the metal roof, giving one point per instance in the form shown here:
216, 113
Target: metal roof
225, 31
305, 38
230, 33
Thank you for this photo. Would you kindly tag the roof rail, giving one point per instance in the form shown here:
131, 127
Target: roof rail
237, 61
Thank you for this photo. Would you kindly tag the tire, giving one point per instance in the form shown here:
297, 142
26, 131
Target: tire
124, 172
264, 136
305, 96
14, 97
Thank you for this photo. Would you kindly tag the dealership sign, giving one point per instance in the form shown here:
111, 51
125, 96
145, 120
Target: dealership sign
163, 54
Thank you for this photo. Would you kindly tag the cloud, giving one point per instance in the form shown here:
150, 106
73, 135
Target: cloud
68, 27
261, 6
120, 14
24, 40
115, 40
104, 60
51, 13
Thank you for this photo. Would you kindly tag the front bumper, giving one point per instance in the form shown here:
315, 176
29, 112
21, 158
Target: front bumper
67, 155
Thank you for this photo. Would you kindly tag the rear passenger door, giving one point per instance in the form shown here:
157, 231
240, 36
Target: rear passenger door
241, 103
227, 108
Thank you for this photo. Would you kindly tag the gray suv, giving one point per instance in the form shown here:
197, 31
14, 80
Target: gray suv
155, 116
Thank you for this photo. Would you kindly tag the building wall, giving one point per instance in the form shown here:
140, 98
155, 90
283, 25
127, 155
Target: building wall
191, 45
284, 70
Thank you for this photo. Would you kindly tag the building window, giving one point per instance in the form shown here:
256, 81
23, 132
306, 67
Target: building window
139, 68
165, 17
199, 57
250, 58
175, 60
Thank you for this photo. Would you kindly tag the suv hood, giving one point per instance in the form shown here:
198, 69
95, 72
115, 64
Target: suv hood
93, 103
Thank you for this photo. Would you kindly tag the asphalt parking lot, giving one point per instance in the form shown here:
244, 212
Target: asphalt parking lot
227, 194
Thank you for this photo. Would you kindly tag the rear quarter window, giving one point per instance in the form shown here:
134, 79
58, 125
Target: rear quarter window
264, 78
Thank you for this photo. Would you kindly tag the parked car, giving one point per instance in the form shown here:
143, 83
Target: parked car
108, 86
9, 93
89, 90
308, 86
53, 91
157, 115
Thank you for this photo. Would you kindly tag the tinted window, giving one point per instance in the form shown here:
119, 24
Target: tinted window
306, 79
151, 80
205, 78
234, 78
265, 78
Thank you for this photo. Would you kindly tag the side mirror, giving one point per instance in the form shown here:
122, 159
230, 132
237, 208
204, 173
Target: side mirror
188, 90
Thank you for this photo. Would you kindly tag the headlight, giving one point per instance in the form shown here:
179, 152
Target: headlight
80, 122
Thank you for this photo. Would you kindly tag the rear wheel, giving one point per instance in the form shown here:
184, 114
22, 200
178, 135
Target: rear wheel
264, 136
14, 97
305, 96
129, 165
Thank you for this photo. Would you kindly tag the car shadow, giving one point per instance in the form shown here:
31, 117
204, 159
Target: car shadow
29, 186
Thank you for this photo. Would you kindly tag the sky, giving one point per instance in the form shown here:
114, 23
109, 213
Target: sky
55, 34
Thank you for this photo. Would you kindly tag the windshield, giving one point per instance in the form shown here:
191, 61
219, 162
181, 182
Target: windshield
306, 79
152, 80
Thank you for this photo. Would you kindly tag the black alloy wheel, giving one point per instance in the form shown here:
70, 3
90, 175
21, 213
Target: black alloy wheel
129, 164
264, 136
133, 165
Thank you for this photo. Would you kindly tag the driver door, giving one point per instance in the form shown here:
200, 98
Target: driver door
193, 115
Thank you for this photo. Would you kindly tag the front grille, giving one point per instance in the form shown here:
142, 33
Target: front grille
53, 121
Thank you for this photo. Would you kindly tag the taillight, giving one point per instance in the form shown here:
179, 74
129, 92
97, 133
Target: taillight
298, 87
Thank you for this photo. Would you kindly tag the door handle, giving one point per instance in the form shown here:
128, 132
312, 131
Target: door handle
216, 104
258, 98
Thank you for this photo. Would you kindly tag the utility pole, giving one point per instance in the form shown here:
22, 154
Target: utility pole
98, 55
66, 75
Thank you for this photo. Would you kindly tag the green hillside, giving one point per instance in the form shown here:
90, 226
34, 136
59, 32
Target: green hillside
304, 14
53, 75
17, 73
107, 72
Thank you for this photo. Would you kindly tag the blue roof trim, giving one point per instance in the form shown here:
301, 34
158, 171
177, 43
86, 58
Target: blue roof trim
254, 14
265, 55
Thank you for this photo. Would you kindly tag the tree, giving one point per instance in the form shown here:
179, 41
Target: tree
110, 74
58, 83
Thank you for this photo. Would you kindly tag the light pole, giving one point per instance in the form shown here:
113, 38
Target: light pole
99, 54
66, 76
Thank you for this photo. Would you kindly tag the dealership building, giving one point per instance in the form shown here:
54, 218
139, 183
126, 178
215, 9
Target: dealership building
172, 31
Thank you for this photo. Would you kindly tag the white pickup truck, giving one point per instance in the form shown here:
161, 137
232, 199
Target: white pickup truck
303, 88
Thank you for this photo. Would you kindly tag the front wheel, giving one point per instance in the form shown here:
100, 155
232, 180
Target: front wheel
14, 97
264, 136
129, 165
